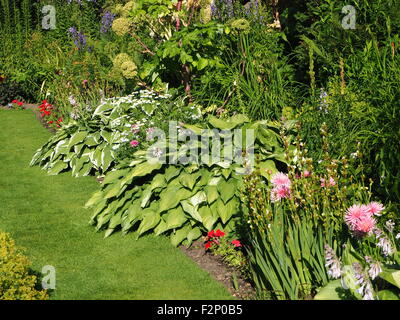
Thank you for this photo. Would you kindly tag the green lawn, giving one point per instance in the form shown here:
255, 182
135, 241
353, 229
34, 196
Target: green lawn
45, 215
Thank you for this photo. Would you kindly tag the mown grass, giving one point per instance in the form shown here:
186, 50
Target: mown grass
45, 215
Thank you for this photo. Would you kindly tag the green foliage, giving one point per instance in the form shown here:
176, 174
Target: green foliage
16, 279
91, 143
182, 200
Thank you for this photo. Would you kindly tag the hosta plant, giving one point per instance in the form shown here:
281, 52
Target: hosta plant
182, 200
91, 143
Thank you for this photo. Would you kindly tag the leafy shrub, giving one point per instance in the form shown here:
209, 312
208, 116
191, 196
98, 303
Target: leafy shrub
298, 214
10, 91
183, 200
16, 279
97, 139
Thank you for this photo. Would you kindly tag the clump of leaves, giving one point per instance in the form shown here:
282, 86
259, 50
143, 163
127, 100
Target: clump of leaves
16, 279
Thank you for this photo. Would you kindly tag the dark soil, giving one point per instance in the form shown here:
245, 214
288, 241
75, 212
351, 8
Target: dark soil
219, 270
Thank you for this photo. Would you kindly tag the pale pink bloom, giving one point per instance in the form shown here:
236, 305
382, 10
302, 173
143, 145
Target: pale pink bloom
134, 143
331, 182
280, 192
307, 174
365, 225
355, 214
280, 179
375, 208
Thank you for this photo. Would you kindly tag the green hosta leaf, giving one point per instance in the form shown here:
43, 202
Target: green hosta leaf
78, 148
113, 176
150, 221
175, 218
97, 156
195, 129
77, 167
189, 180
76, 138
208, 217
134, 212
108, 233
391, 275
158, 181
61, 148
180, 235
171, 172
161, 228
86, 168
388, 295
198, 198
268, 166
91, 141
212, 193
194, 234
144, 169
171, 197
146, 196
101, 108
57, 167
191, 210
95, 198
226, 189
114, 189
228, 210
229, 124
332, 291
106, 158
115, 220
106, 135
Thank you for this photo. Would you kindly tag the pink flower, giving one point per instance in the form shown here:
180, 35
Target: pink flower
355, 214
375, 208
280, 179
236, 243
280, 192
134, 143
306, 174
365, 225
331, 182
359, 218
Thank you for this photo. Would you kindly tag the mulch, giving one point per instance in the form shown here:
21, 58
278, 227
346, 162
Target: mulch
213, 264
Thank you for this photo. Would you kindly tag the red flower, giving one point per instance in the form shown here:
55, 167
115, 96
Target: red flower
208, 245
14, 101
211, 234
59, 120
236, 243
219, 233
44, 101
20, 103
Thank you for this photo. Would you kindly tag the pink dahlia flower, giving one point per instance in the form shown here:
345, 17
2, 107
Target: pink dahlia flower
280, 192
280, 179
375, 208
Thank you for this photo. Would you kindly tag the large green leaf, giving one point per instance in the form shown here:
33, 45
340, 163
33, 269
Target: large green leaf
171, 197
175, 218
150, 221
332, 291
191, 210
227, 189
180, 235
391, 275
212, 193
76, 138
57, 167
